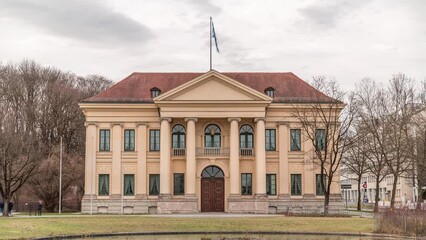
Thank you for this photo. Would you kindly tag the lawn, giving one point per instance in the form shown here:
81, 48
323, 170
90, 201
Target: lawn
21, 227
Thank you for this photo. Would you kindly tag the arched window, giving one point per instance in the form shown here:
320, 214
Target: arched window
178, 136
246, 136
212, 136
212, 172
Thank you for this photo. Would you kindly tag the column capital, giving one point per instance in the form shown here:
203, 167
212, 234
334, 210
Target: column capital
117, 124
191, 119
259, 119
86, 124
234, 119
165, 119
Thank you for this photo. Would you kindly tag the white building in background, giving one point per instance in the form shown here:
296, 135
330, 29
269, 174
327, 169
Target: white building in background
405, 192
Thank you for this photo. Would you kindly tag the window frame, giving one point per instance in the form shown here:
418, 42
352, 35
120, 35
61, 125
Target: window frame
246, 135
269, 139
156, 144
151, 177
213, 137
300, 139
249, 187
317, 138
128, 147
269, 181
99, 184
295, 193
181, 188
317, 190
181, 143
133, 183
104, 141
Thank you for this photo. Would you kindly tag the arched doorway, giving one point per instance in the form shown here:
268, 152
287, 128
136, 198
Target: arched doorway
212, 190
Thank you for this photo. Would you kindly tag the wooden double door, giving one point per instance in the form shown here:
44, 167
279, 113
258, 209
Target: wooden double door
212, 194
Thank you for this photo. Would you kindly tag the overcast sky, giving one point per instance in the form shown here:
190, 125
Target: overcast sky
347, 40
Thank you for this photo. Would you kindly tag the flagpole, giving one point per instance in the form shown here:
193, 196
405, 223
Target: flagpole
210, 43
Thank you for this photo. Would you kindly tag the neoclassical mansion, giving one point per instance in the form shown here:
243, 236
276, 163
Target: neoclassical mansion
201, 142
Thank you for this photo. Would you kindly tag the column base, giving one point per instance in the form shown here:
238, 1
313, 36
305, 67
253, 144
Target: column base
191, 196
164, 196
141, 196
284, 196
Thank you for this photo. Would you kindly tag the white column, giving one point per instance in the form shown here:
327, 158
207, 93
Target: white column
141, 167
165, 145
260, 157
116, 160
234, 157
283, 141
90, 161
191, 164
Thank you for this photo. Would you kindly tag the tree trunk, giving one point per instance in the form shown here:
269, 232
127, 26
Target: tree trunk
376, 197
358, 207
6, 209
395, 181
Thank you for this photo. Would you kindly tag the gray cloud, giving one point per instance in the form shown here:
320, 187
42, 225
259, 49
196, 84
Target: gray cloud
87, 21
327, 15
205, 7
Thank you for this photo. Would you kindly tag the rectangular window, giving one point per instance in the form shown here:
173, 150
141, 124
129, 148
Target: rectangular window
154, 184
270, 140
271, 184
295, 140
319, 189
104, 140
320, 139
179, 184
103, 184
296, 184
246, 184
129, 184
129, 140
154, 140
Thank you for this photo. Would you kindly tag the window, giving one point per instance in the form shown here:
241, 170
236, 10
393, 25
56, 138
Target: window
246, 184
295, 141
154, 140
320, 139
271, 184
319, 189
179, 184
129, 184
212, 172
104, 140
178, 136
103, 184
246, 138
129, 140
270, 92
212, 136
155, 92
270, 139
154, 184
296, 184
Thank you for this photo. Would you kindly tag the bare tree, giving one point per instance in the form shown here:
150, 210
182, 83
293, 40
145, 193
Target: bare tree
334, 119
355, 160
19, 149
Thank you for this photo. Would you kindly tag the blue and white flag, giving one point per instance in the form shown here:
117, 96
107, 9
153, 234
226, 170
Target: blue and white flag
215, 37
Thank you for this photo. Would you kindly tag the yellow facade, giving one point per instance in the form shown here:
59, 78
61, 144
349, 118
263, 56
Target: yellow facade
209, 99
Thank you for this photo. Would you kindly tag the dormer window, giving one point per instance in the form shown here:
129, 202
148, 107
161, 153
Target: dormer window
155, 92
270, 92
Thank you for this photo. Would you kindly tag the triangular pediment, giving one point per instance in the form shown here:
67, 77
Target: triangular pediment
213, 86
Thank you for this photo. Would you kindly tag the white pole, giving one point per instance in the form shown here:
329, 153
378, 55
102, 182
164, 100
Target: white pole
91, 182
60, 178
122, 183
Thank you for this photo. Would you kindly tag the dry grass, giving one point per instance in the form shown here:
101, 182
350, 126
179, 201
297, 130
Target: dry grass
19, 227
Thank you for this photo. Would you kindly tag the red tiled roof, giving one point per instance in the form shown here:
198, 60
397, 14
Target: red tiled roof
136, 87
